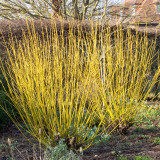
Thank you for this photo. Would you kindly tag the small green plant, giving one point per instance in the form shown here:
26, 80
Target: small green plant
151, 126
149, 117
122, 158
116, 153
127, 143
141, 158
156, 140
2, 145
9, 149
60, 152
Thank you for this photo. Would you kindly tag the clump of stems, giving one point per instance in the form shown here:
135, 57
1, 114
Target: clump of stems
62, 85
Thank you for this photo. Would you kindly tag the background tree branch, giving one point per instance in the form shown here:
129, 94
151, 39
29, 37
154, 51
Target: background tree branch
77, 9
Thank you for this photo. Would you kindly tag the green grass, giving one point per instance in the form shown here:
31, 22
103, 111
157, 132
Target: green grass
148, 114
122, 158
156, 140
141, 158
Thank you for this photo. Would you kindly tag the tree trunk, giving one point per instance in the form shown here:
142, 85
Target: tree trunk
75, 9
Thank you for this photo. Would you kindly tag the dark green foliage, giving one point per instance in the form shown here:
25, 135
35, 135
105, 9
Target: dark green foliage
3, 116
5, 102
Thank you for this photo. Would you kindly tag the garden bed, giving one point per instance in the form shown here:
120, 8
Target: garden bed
142, 142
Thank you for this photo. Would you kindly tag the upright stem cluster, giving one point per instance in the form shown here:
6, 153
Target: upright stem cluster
63, 85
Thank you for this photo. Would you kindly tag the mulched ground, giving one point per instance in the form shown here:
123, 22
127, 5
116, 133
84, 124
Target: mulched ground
138, 141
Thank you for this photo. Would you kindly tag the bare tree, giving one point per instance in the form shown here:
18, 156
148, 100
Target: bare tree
78, 9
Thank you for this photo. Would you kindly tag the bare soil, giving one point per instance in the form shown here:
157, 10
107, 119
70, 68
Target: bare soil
136, 142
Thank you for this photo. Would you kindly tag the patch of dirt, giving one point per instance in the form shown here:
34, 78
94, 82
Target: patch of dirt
136, 142
22, 147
